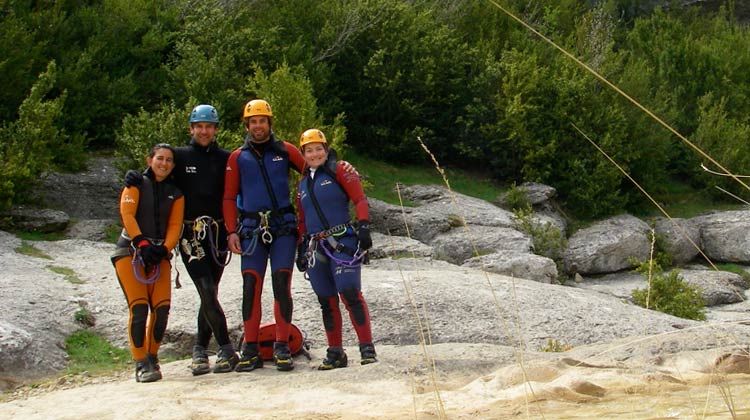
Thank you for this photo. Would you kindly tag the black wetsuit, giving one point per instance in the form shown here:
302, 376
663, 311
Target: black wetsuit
199, 173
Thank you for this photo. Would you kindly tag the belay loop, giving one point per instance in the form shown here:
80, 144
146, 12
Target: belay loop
266, 235
138, 262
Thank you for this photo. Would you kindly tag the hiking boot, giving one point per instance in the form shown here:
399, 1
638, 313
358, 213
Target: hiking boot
154, 359
335, 358
199, 365
145, 371
249, 358
367, 353
282, 356
226, 360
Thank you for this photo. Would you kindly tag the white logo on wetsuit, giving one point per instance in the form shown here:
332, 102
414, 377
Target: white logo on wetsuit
277, 158
191, 170
326, 182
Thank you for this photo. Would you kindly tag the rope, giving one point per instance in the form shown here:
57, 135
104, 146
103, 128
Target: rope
138, 262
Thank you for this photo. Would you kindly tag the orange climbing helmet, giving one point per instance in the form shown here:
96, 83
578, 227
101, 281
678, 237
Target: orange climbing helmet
257, 107
312, 135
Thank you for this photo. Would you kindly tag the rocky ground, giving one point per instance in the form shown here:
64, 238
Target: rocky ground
454, 342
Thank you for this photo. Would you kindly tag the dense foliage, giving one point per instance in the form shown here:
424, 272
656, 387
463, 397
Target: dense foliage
476, 86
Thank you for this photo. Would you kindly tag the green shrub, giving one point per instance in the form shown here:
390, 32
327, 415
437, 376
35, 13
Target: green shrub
669, 294
28, 144
546, 239
515, 198
83, 316
554, 346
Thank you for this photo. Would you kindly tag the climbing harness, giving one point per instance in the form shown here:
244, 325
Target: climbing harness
205, 227
327, 240
264, 232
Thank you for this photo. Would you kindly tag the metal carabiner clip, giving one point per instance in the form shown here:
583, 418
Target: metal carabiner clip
266, 235
199, 228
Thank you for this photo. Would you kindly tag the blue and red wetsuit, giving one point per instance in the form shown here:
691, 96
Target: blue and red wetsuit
259, 174
323, 203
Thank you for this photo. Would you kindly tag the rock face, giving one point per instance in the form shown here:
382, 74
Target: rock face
607, 246
93, 194
35, 219
461, 305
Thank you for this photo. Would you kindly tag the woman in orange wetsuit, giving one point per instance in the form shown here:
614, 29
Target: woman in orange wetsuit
152, 221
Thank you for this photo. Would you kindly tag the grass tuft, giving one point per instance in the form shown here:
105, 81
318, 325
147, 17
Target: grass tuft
67, 273
88, 352
31, 251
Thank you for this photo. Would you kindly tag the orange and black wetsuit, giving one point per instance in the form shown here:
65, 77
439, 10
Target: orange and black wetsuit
153, 210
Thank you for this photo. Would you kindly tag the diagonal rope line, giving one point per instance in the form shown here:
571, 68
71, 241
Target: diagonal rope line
642, 190
675, 224
622, 93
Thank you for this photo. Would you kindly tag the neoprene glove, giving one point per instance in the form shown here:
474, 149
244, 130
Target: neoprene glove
302, 257
133, 178
153, 254
363, 234
139, 242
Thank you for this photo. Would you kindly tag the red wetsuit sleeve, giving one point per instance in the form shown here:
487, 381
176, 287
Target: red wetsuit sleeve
128, 207
174, 225
349, 181
231, 189
295, 157
301, 228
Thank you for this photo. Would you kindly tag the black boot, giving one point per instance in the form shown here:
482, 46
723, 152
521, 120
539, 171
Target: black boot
335, 358
145, 371
199, 365
154, 359
249, 358
226, 360
367, 353
282, 356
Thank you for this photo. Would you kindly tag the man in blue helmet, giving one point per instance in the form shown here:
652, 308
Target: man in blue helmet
199, 173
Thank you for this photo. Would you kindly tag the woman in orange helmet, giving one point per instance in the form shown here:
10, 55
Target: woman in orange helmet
332, 248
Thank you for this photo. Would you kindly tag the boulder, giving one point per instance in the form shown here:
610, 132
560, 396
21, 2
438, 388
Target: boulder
516, 264
607, 246
717, 287
439, 210
724, 235
397, 247
681, 237
536, 194
462, 243
36, 219
395, 220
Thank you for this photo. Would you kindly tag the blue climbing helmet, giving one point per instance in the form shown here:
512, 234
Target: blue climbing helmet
204, 113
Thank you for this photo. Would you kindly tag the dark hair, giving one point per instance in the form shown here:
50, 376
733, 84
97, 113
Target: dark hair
161, 146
